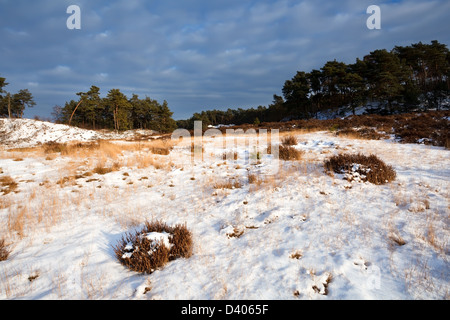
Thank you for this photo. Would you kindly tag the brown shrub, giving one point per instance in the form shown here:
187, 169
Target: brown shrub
54, 147
428, 128
161, 150
253, 179
8, 184
141, 254
102, 170
289, 153
431, 127
369, 168
289, 141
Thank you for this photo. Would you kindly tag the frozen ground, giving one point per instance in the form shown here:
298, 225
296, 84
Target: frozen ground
23, 133
294, 233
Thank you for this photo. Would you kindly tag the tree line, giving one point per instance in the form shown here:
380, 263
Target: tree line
13, 105
387, 82
115, 111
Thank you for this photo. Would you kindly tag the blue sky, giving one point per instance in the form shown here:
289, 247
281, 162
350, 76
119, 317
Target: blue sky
197, 55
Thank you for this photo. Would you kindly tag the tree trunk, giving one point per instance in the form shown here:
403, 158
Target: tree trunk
114, 115
70, 120
9, 105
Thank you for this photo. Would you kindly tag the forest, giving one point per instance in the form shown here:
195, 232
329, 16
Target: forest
404, 79
415, 77
115, 111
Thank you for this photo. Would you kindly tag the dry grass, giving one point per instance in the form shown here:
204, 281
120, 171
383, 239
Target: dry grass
108, 149
227, 184
161, 147
289, 141
254, 179
296, 255
8, 185
237, 233
396, 239
4, 251
289, 153
37, 210
361, 133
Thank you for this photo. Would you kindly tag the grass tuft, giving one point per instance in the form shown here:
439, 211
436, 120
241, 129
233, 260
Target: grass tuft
140, 253
289, 153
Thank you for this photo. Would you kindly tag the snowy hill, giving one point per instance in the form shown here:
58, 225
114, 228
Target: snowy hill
20, 133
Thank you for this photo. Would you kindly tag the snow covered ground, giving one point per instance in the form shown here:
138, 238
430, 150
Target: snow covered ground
23, 133
292, 233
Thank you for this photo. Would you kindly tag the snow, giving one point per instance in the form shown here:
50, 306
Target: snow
245, 239
23, 133
158, 238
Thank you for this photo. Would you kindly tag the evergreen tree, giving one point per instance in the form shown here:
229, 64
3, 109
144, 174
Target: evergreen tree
355, 86
20, 100
119, 106
92, 106
386, 77
296, 94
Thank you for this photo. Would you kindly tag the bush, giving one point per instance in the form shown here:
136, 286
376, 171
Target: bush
289, 141
362, 133
7, 185
164, 151
54, 147
154, 246
361, 167
289, 153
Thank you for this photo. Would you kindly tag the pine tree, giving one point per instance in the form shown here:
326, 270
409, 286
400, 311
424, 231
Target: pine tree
295, 92
20, 100
118, 104
92, 105
385, 75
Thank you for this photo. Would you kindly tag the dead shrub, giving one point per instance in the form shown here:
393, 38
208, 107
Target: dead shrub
155, 245
102, 170
254, 179
289, 153
54, 147
8, 185
289, 141
4, 252
161, 150
361, 167
362, 133
396, 240
428, 128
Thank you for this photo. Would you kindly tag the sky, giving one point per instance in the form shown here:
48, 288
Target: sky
196, 55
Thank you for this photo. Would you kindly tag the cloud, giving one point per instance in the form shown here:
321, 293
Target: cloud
196, 54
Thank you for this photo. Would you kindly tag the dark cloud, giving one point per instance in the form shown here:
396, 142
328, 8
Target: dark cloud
195, 54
